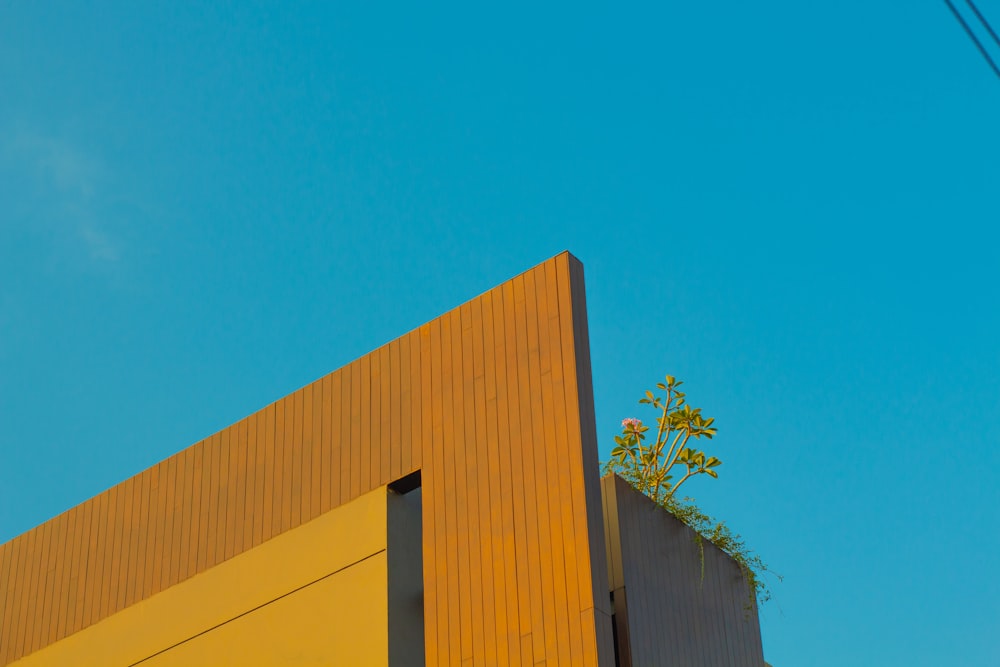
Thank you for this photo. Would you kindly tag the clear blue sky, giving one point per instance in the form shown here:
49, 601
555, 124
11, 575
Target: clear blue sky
792, 206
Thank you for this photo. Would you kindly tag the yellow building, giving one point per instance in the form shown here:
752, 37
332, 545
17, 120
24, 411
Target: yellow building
436, 502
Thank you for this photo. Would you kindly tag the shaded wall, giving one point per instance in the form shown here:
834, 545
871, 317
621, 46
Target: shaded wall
668, 611
492, 401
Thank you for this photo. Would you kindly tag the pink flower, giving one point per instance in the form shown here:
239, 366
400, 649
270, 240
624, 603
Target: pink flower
631, 424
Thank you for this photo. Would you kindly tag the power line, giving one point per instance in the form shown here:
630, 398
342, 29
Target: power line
982, 19
972, 35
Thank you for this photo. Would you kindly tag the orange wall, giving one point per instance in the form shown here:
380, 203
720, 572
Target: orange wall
492, 401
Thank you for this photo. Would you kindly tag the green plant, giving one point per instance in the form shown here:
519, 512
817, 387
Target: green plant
647, 467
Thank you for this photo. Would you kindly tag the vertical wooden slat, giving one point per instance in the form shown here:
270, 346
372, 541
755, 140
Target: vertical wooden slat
269, 481
203, 517
238, 498
421, 376
304, 441
282, 471
316, 448
120, 571
119, 568
293, 458
43, 603
525, 547
11, 581
423, 373
196, 486
46, 593
330, 449
208, 505
164, 520
56, 562
213, 500
304, 438
6, 588
19, 569
380, 411
162, 525
171, 551
385, 407
496, 347
62, 587
465, 478
182, 512
441, 611
370, 419
86, 550
255, 487
407, 408
177, 528
491, 510
480, 580
82, 562
394, 395
374, 418
30, 568
52, 558
459, 599
225, 475
31, 590
24, 592
140, 516
96, 530
71, 572
485, 487
248, 467
364, 439
359, 462
135, 543
420, 379
112, 531
37, 602
346, 432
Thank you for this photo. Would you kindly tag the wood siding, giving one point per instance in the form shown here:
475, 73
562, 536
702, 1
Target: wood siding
492, 401
668, 610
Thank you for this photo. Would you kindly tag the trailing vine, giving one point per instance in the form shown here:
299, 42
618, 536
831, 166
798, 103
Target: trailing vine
648, 468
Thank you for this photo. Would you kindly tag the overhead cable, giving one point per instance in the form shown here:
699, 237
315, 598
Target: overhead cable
982, 19
972, 35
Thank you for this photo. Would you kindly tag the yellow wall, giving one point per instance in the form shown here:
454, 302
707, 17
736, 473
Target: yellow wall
316, 595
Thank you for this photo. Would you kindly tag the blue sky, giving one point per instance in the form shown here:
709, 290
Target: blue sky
791, 206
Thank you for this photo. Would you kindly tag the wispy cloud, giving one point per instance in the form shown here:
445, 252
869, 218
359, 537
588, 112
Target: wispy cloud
61, 191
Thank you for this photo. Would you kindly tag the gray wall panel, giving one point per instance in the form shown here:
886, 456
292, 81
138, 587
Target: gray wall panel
675, 616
